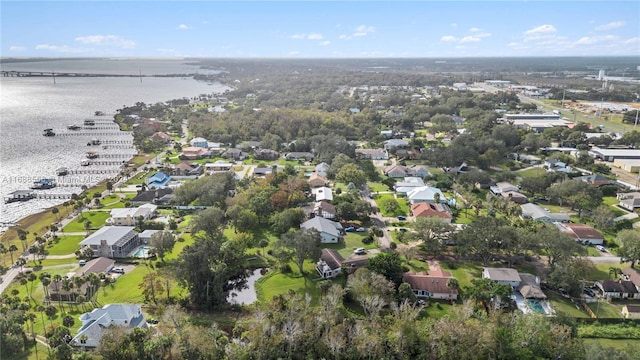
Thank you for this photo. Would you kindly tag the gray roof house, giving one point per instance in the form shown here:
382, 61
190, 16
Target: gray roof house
536, 213
96, 322
330, 231
112, 241
504, 276
395, 143
425, 194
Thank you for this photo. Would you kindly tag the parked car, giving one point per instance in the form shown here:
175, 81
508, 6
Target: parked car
589, 292
601, 248
118, 270
350, 229
360, 251
361, 229
82, 262
402, 218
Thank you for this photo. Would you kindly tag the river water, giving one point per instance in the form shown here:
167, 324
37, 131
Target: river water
30, 104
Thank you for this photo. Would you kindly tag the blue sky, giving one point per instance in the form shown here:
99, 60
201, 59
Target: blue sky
306, 29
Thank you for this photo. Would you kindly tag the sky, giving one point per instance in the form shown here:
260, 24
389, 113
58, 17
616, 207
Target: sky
308, 29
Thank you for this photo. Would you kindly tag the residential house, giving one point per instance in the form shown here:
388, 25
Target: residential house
515, 197
194, 152
96, 323
161, 136
145, 236
316, 180
158, 180
537, 213
432, 285
235, 154
186, 168
262, 171
266, 154
304, 156
409, 183
393, 144
595, 179
631, 311
504, 276
425, 210
151, 196
502, 187
556, 165
331, 263
322, 193
199, 142
582, 233
407, 154
396, 171
130, 216
425, 194
325, 210
620, 289
330, 231
218, 166
322, 168
629, 201
630, 274
420, 171
100, 265
372, 154
57, 291
112, 241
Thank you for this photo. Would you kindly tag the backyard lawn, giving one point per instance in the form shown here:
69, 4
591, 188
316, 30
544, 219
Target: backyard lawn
276, 283
400, 208
532, 172
352, 241
67, 244
377, 187
565, 306
97, 218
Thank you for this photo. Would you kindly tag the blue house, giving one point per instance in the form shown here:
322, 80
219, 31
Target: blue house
158, 181
199, 142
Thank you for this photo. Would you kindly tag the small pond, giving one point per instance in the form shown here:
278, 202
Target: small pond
248, 294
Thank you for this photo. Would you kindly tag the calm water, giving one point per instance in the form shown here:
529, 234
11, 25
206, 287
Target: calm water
29, 105
248, 294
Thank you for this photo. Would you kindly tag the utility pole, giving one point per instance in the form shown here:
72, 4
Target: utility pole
636, 123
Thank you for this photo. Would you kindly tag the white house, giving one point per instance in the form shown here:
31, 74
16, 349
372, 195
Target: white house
129, 216
112, 241
425, 194
536, 213
330, 231
322, 168
582, 233
322, 193
96, 322
145, 236
504, 276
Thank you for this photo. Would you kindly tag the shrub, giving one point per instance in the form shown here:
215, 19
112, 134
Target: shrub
285, 269
393, 245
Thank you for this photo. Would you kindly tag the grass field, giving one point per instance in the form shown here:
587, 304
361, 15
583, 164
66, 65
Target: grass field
352, 241
532, 172
67, 244
377, 187
565, 306
276, 283
97, 218
614, 343
402, 208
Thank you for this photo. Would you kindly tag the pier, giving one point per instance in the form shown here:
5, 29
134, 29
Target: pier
15, 73
42, 196
94, 134
92, 171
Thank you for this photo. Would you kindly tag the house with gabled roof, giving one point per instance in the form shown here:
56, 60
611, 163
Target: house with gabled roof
505, 276
537, 213
99, 265
194, 152
161, 137
630, 274
426, 210
372, 154
409, 183
332, 264
158, 180
617, 289
395, 171
430, 286
130, 216
322, 193
322, 168
299, 155
330, 231
325, 210
96, 323
595, 179
393, 144
151, 196
186, 168
425, 194
629, 201
112, 241
631, 311
582, 233
316, 180
266, 154
199, 142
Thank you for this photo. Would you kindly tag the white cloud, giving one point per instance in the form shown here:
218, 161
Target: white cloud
453, 25
17, 48
542, 29
611, 25
311, 36
107, 40
632, 40
60, 49
162, 50
324, 43
293, 53
475, 29
448, 38
183, 27
468, 39
590, 40
360, 31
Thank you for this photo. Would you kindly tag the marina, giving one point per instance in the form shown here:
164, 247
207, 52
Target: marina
43, 184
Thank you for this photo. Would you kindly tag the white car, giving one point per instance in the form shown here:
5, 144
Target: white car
118, 270
361, 229
360, 251
601, 248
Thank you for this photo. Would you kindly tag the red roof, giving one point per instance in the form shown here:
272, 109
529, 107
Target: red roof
582, 231
431, 210
432, 284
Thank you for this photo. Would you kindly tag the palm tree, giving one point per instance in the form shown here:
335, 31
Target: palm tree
615, 271
21, 262
3, 250
12, 248
57, 279
45, 280
55, 212
87, 226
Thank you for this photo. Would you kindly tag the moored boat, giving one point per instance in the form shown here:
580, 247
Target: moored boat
49, 132
43, 184
62, 171
74, 127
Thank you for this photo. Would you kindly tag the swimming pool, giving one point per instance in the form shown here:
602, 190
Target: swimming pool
142, 252
536, 306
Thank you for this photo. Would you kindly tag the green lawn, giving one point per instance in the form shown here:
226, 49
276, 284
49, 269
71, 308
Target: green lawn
565, 306
437, 309
402, 208
67, 244
604, 310
463, 271
614, 343
352, 241
125, 290
97, 218
533, 172
592, 251
276, 283
53, 262
377, 187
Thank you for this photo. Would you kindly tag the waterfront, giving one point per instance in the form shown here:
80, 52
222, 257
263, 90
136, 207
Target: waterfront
29, 105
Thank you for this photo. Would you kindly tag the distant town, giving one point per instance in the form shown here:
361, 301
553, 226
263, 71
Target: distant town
346, 209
